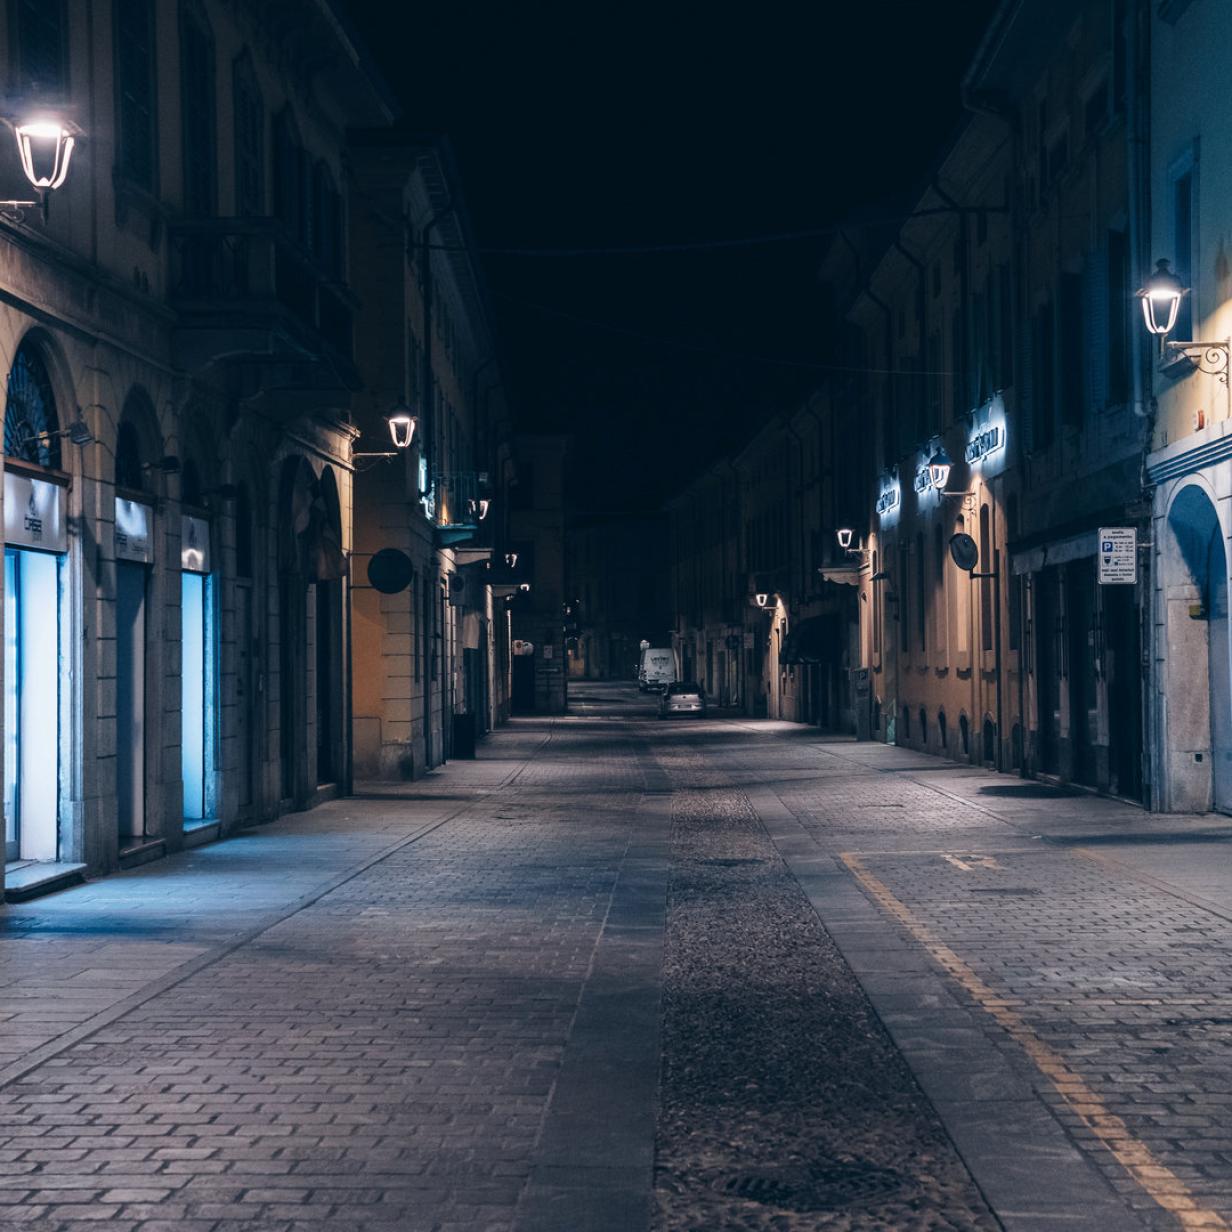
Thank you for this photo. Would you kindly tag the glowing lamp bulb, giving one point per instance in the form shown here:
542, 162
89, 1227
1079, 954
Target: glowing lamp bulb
402, 426
46, 149
1161, 299
939, 467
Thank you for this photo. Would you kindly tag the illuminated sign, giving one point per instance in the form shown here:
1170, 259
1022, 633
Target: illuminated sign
133, 540
923, 480
988, 441
34, 513
888, 500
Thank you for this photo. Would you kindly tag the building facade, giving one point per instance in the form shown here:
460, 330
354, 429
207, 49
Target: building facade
923, 533
187, 337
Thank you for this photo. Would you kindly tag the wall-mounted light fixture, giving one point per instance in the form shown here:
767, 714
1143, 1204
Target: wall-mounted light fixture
511, 559
1161, 298
402, 425
844, 536
939, 467
479, 508
45, 146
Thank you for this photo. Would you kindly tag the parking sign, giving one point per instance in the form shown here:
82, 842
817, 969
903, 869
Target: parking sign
1118, 555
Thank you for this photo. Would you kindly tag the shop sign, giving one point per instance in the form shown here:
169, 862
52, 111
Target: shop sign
923, 480
1118, 555
888, 500
194, 544
988, 441
34, 513
133, 538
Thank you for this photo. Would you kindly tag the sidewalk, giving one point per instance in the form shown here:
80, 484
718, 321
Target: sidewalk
75, 960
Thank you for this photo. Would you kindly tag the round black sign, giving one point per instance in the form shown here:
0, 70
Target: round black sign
964, 551
390, 571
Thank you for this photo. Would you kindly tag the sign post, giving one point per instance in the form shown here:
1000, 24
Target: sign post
1118, 555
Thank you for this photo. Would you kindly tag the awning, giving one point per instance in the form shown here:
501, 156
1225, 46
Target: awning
815, 640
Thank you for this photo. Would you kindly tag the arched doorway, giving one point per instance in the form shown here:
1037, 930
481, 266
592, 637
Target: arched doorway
295, 495
1199, 697
328, 570
36, 547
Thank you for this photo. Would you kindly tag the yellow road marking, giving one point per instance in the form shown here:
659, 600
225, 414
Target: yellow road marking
1163, 1185
969, 864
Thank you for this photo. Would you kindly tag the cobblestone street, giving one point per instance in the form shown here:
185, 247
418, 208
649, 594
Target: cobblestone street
617, 974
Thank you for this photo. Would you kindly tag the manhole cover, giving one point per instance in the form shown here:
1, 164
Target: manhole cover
1010, 891
822, 1187
733, 863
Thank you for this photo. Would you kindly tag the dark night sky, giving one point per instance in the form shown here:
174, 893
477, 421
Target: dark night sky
598, 126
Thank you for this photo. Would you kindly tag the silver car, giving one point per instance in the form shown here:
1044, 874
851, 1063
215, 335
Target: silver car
683, 697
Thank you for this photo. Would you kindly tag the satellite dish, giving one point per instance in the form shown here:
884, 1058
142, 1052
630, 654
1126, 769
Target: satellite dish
390, 571
964, 551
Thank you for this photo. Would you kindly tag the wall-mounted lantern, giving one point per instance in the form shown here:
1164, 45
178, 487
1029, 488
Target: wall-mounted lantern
1161, 299
844, 536
1161, 303
939, 467
45, 147
761, 598
402, 425
511, 560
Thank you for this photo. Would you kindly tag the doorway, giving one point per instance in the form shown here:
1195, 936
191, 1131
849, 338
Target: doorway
31, 705
131, 586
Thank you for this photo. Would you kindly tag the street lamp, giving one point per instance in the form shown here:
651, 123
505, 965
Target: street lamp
402, 425
1161, 299
46, 149
1161, 302
844, 536
939, 467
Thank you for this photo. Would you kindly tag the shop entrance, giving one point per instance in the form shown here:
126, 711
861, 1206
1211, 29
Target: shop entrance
31, 705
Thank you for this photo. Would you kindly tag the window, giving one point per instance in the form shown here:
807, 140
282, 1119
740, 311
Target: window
986, 584
288, 174
249, 139
1043, 377
197, 103
1071, 335
137, 133
921, 594
128, 469
326, 212
38, 42
30, 411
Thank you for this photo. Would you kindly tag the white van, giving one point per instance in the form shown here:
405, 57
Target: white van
658, 669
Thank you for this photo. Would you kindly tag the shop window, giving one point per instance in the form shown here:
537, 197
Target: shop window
249, 138
197, 106
30, 421
136, 108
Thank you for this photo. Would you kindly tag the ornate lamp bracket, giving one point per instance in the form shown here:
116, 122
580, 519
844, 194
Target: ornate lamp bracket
1208, 357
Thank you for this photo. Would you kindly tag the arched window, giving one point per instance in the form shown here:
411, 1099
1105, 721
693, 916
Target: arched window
30, 421
128, 469
190, 484
288, 175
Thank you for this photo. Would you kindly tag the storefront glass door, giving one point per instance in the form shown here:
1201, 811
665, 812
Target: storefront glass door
31, 705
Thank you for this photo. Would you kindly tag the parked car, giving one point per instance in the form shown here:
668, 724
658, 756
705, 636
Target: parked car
658, 669
682, 697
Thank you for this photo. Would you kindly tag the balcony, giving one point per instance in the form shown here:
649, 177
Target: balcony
245, 292
457, 498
